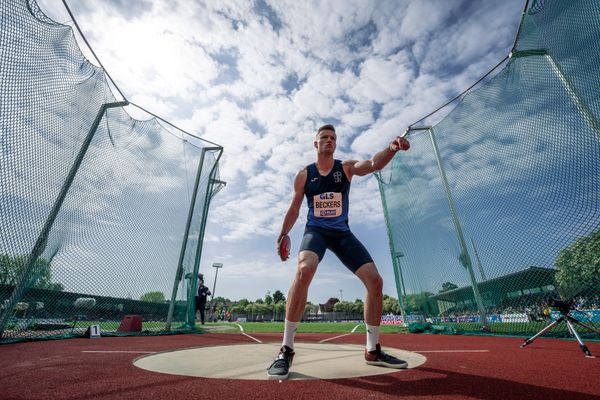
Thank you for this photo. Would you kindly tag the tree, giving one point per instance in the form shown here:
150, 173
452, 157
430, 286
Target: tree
218, 309
311, 308
446, 286
330, 304
261, 310
268, 299
578, 265
279, 310
278, 296
221, 300
237, 309
39, 277
343, 307
249, 309
153, 297
308, 309
243, 302
358, 306
391, 306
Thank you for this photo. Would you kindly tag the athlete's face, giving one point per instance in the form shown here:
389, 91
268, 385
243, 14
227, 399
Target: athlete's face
325, 141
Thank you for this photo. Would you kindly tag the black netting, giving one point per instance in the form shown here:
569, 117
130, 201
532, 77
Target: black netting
94, 205
495, 210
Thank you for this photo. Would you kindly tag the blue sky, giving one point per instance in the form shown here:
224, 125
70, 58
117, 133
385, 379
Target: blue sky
259, 76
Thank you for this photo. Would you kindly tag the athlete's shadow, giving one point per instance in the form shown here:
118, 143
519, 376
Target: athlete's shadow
299, 376
456, 384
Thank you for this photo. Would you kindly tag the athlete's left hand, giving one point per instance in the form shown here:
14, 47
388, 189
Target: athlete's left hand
400, 143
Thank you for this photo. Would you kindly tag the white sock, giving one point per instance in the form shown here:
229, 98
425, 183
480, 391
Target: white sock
289, 332
372, 337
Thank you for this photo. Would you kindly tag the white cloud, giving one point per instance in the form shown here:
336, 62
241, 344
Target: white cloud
382, 80
217, 70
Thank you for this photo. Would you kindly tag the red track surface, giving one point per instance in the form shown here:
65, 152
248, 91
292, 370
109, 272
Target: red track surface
547, 369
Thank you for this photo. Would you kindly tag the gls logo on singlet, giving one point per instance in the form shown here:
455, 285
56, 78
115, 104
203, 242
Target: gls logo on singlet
327, 205
337, 176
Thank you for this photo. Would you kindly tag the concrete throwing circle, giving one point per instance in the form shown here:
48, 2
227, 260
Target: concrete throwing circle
250, 361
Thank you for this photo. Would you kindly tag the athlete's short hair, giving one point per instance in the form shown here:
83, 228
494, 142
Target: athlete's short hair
326, 127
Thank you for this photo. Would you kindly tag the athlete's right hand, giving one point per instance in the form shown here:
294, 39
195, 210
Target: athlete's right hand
283, 247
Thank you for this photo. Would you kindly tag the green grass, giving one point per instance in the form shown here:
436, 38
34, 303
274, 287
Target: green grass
255, 327
114, 325
513, 329
304, 327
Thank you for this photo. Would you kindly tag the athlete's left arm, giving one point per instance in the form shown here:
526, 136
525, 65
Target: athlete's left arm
379, 160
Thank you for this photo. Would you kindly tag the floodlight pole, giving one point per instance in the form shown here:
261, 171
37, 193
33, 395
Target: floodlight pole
42, 240
217, 266
465, 258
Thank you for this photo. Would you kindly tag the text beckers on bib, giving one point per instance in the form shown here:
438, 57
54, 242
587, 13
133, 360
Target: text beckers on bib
328, 205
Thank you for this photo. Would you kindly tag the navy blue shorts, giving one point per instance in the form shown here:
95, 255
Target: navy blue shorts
343, 244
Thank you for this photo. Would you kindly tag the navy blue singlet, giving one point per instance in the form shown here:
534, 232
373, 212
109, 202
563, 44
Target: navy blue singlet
327, 197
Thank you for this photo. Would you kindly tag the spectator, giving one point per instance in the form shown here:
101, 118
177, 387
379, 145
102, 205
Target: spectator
203, 293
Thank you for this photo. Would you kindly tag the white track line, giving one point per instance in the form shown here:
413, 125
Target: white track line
118, 351
253, 338
335, 337
245, 334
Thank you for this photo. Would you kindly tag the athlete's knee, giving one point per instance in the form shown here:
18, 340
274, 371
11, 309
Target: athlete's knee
376, 283
372, 280
305, 273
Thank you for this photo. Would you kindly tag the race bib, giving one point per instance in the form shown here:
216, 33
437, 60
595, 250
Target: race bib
328, 205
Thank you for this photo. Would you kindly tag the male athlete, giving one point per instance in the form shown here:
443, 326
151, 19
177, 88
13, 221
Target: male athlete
326, 185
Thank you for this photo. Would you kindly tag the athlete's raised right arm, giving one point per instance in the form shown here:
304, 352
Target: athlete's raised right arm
292, 214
